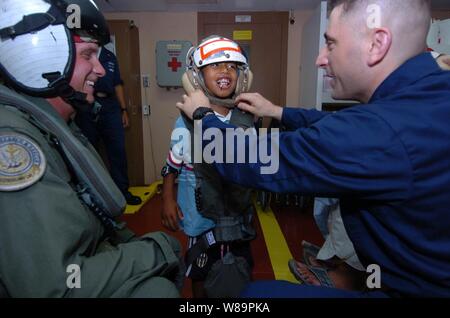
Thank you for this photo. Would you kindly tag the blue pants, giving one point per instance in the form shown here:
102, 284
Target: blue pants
284, 289
108, 127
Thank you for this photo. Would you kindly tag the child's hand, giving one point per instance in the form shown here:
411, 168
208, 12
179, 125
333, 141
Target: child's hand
190, 103
257, 105
444, 62
171, 215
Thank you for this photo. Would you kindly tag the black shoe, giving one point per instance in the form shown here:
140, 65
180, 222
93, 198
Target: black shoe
132, 199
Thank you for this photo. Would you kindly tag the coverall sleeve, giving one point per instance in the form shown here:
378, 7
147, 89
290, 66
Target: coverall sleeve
349, 152
45, 228
294, 118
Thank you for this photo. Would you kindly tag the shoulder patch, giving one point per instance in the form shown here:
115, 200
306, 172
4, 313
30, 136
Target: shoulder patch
22, 162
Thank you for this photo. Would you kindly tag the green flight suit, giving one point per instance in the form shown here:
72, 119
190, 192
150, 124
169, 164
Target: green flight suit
44, 228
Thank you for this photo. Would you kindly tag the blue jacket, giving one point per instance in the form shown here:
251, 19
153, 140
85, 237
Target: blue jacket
107, 83
389, 163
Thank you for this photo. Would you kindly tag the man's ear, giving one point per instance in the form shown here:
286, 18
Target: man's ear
380, 43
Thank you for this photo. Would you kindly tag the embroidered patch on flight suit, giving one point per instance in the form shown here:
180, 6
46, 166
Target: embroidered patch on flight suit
22, 162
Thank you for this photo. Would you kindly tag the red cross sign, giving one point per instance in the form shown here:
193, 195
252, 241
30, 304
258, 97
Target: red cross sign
174, 64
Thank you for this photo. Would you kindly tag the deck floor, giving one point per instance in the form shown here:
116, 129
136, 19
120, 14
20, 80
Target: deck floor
296, 225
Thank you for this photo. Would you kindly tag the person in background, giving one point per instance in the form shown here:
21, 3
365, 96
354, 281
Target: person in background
109, 122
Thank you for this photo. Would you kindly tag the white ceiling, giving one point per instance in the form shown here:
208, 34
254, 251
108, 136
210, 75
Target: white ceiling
221, 5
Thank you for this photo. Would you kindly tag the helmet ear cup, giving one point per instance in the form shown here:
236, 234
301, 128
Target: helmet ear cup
189, 57
244, 82
249, 80
187, 85
190, 81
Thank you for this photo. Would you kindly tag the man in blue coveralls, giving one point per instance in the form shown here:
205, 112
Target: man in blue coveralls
387, 160
110, 122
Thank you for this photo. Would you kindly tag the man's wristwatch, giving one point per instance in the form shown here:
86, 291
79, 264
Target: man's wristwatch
166, 170
201, 112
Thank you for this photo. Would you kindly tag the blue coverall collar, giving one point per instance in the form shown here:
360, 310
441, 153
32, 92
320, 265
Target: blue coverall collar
411, 71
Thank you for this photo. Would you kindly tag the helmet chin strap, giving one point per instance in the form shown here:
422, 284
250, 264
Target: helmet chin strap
226, 102
63, 89
79, 102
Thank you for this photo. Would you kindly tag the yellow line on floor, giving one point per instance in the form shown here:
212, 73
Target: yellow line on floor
277, 247
145, 193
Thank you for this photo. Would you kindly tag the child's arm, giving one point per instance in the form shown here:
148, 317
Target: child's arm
171, 213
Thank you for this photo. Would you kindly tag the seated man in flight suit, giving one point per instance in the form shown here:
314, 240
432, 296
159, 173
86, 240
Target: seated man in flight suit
58, 205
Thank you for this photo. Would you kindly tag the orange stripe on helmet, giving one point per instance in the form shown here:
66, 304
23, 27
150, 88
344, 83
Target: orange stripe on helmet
204, 56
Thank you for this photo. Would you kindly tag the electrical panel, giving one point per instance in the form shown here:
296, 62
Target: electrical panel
171, 62
439, 36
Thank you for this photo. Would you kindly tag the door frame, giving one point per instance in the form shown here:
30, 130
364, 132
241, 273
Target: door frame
127, 52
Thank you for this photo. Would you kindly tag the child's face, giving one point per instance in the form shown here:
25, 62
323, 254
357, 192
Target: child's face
221, 78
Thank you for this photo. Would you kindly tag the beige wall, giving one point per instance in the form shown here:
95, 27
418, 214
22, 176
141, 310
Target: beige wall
153, 27
156, 26
294, 57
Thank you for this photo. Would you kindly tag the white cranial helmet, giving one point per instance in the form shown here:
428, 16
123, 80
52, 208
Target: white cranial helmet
26, 55
217, 49
37, 51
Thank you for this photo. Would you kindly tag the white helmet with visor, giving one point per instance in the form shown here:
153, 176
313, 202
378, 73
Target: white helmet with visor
216, 49
37, 51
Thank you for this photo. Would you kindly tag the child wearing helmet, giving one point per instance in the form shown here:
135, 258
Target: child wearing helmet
219, 68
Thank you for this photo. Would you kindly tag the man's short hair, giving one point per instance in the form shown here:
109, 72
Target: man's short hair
349, 5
